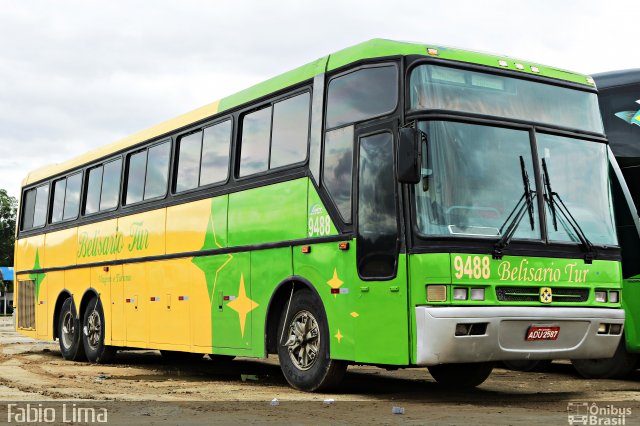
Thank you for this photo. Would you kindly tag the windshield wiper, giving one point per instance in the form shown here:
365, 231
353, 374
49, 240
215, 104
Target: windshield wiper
514, 220
554, 201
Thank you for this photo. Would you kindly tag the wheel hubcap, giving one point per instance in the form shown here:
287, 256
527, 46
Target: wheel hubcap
93, 329
304, 340
68, 329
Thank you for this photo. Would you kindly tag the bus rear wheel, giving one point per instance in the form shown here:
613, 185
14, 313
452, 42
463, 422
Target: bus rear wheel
303, 346
69, 334
468, 375
93, 334
621, 364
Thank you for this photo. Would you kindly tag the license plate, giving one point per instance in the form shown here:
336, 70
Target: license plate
542, 333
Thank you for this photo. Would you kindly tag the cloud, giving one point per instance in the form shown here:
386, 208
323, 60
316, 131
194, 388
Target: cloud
76, 75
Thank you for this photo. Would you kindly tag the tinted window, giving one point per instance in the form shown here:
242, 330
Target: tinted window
135, 177
72, 197
58, 200
215, 153
254, 155
337, 168
110, 185
361, 94
94, 184
438, 87
155, 184
377, 225
29, 205
290, 131
40, 213
188, 161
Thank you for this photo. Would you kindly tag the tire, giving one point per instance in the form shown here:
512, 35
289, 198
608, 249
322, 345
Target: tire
180, 357
621, 364
69, 332
527, 365
458, 376
303, 350
93, 329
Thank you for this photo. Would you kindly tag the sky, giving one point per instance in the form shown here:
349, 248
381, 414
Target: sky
79, 74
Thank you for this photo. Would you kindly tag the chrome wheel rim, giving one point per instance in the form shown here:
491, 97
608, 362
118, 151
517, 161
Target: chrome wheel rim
303, 342
93, 329
68, 329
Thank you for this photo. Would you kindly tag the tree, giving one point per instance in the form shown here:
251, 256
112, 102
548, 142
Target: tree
8, 212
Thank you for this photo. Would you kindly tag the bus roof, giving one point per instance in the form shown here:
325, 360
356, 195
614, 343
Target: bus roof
609, 79
376, 48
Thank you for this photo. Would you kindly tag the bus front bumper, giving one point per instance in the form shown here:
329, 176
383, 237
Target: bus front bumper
500, 333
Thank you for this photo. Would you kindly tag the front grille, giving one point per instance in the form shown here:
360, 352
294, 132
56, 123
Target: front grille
27, 304
532, 294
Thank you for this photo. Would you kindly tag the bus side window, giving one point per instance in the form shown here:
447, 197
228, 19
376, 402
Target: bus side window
66, 198
28, 209
40, 213
337, 168
254, 150
148, 173
216, 142
275, 136
290, 134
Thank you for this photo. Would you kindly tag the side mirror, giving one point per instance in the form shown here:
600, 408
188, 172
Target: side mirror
409, 160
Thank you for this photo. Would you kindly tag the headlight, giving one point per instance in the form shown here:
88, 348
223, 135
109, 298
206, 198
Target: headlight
459, 294
477, 294
601, 296
614, 296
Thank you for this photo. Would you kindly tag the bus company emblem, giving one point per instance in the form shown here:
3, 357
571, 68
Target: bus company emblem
546, 295
316, 209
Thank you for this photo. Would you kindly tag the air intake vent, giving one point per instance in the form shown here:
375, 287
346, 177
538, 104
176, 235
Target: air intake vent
27, 304
532, 294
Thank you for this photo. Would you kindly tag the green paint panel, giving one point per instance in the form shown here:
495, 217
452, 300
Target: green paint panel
382, 328
232, 307
481, 271
325, 266
318, 221
630, 298
37, 278
268, 269
268, 214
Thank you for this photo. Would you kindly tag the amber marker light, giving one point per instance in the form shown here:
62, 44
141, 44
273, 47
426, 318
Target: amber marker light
431, 51
306, 249
343, 245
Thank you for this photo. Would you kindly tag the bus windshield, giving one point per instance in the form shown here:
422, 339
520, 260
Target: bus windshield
475, 176
453, 89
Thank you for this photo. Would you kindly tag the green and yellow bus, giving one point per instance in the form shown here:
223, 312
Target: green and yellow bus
393, 204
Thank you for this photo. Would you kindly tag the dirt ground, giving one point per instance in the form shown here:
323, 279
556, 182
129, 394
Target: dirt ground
142, 388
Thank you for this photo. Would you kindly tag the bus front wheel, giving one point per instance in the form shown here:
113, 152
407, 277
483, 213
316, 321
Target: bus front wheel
69, 334
467, 375
93, 334
621, 364
303, 345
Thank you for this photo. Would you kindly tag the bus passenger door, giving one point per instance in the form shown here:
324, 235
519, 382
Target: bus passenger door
382, 331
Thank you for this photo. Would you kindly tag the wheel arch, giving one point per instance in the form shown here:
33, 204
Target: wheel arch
279, 300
